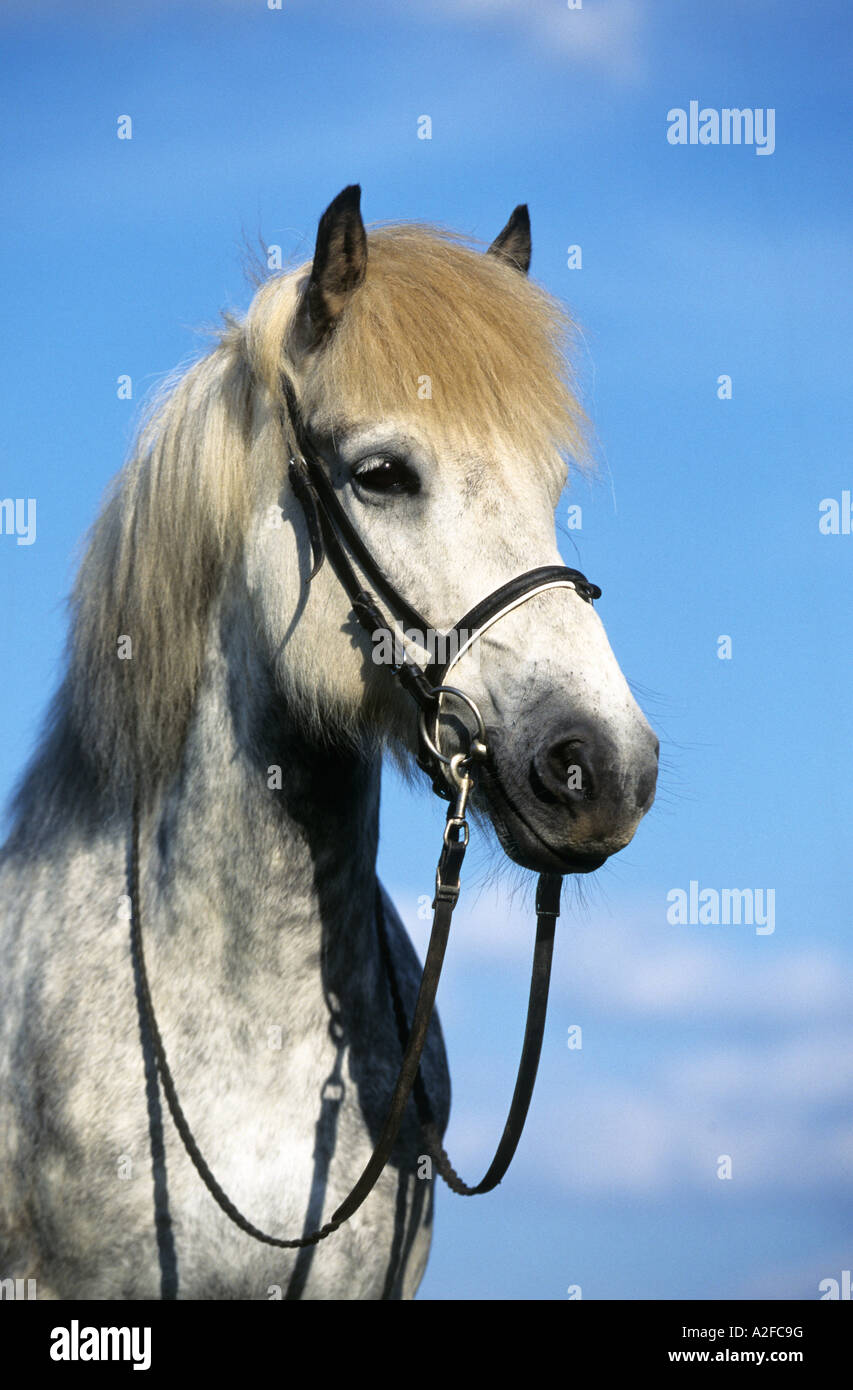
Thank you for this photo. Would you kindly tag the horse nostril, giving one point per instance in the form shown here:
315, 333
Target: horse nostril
569, 768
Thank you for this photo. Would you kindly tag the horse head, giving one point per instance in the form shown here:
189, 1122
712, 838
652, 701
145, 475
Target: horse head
432, 391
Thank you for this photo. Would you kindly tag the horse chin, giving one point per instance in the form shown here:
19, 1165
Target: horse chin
527, 846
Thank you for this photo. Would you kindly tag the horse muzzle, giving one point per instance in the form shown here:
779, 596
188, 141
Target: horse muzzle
573, 801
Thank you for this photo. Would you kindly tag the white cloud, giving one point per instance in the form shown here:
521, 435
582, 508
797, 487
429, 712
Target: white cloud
807, 1071
607, 35
801, 1278
630, 962
597, 1135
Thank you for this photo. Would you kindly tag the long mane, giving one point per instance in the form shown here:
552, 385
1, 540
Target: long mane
493, 347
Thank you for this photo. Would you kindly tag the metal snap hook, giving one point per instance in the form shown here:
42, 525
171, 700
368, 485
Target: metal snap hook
464, 782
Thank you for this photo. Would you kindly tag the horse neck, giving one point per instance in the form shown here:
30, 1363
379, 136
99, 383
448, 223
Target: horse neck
274, 830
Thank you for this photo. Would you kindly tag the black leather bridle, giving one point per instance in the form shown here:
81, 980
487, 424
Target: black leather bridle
333, 535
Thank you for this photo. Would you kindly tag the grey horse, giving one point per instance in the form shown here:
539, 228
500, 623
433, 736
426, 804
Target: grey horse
247, 714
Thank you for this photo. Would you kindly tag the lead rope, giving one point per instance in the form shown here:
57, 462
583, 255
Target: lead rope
412, 1038
547, 912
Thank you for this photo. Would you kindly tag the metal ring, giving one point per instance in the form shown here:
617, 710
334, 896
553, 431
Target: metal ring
460, 824
451, 690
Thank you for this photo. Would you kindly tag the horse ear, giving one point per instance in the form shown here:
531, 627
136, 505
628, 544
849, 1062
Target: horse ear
513, 243
340, 262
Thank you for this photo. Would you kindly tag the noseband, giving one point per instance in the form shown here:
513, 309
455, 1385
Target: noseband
333, 535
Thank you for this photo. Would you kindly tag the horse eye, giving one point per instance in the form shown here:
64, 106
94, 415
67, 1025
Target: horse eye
385, 473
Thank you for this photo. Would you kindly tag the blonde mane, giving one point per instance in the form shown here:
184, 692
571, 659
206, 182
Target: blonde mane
492, 345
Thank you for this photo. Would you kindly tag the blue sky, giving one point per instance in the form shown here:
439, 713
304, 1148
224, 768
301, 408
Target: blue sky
702, 521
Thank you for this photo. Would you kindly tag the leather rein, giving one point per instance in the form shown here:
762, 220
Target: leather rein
332, 535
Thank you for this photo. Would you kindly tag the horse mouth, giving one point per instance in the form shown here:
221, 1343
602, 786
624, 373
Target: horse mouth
523, 842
